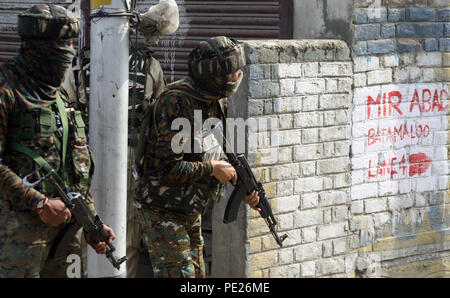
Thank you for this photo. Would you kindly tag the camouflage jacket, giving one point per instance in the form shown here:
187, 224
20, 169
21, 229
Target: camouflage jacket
29, 116
149, 79
154, 78
172, 180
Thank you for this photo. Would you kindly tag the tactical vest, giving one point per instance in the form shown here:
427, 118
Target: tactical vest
190, 198
39, 129
142, 67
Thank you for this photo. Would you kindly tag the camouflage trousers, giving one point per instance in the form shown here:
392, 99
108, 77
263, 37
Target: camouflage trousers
134, 235
25, 242
72, 264
175, 243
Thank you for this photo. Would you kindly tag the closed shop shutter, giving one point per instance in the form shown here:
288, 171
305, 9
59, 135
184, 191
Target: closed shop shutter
9, 41
199, 20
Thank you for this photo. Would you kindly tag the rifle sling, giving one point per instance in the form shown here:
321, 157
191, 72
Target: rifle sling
60, 242
65, 137
37, 159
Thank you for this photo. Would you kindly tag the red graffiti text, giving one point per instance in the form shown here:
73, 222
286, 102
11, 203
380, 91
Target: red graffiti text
395, 167
395, 133
388, 104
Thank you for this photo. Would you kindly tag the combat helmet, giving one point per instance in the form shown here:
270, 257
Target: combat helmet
214, 59
45, 21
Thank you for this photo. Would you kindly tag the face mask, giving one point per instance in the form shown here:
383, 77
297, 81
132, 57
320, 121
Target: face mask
232, 87
48, 60
225, 86
219, 87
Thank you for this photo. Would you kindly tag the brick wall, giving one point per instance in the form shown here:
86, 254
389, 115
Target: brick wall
399, 202
354, 151
307, 176
303, 89
393, 28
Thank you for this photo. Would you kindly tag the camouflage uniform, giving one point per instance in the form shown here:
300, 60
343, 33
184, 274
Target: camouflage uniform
154, 86
29, 91
176, 188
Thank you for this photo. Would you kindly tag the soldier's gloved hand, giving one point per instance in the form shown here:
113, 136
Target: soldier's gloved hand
253, 200
100, 247
223, 171
54, 212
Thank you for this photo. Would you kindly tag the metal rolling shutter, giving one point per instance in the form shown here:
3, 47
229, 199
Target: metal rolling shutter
199, 20
9, 40
9, 43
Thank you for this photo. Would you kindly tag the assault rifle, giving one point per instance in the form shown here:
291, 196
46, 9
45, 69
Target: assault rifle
84, 218
246, 184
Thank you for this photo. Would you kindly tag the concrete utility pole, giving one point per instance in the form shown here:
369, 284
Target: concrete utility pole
108, 125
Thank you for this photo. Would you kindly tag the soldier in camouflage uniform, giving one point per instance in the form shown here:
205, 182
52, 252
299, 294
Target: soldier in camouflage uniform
176, 187
154, 86
38, 117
